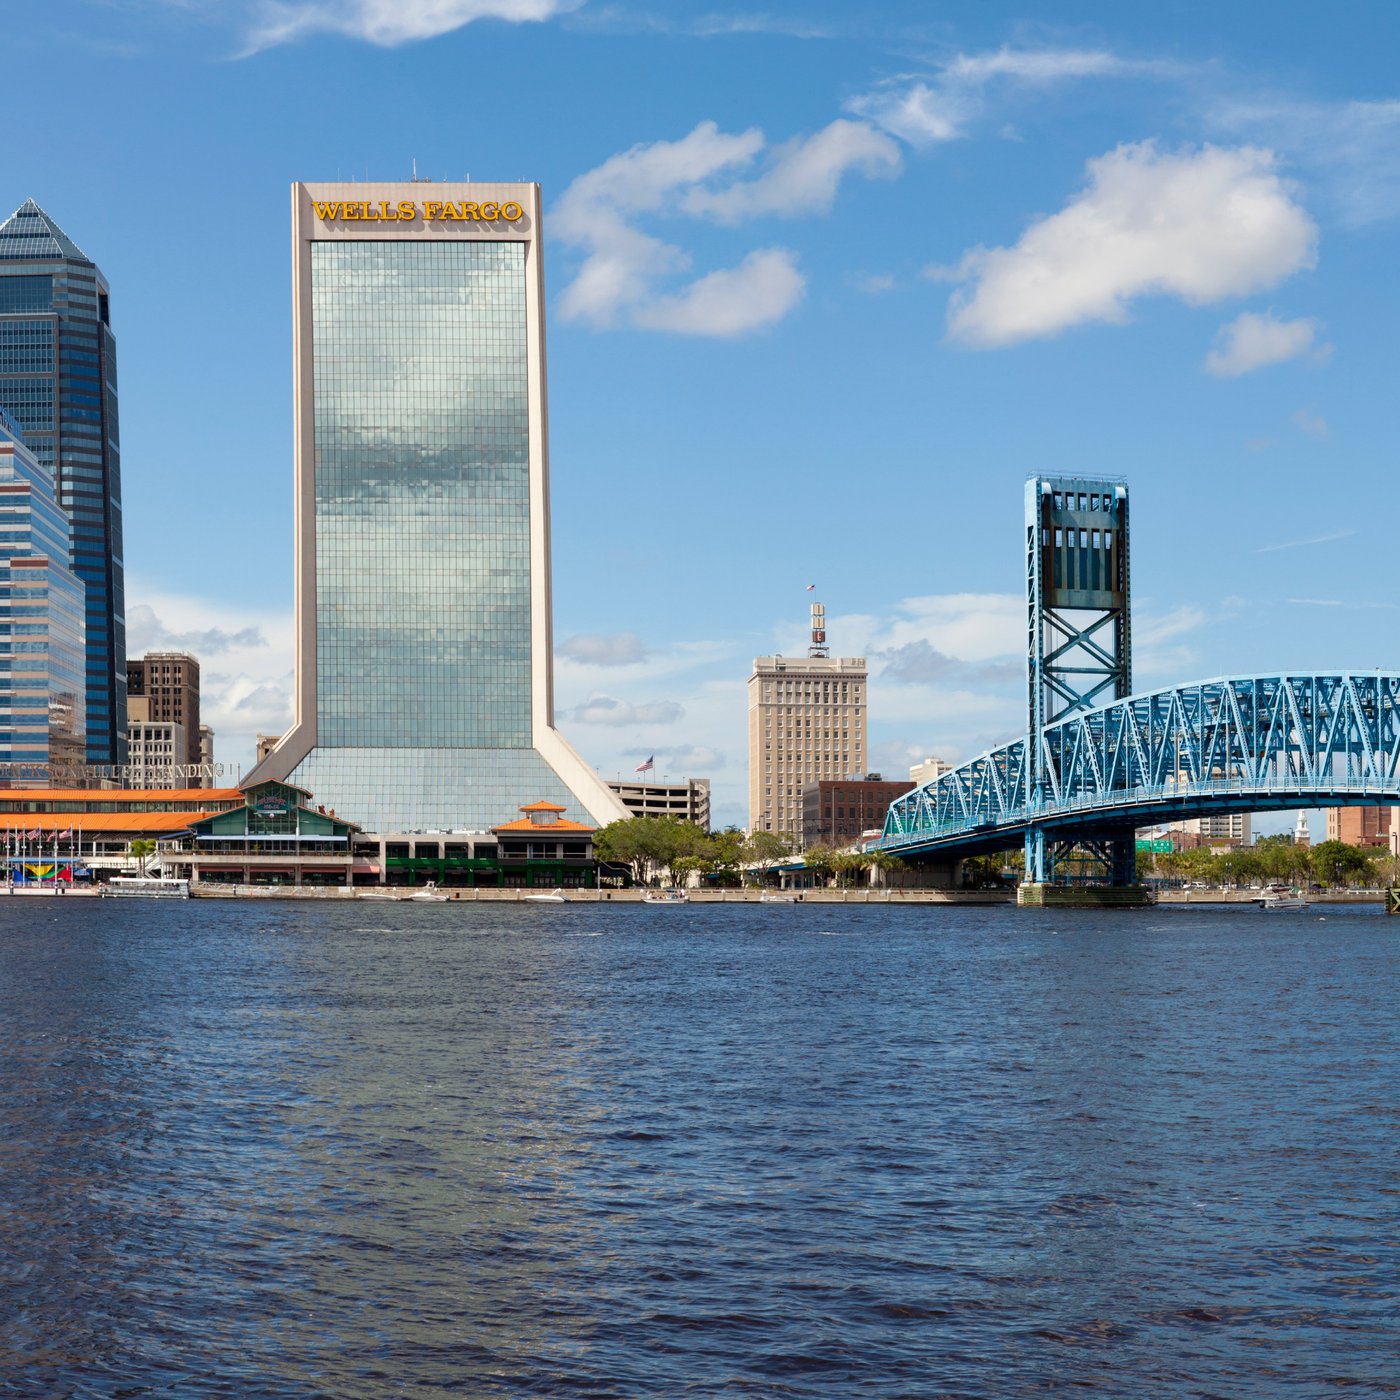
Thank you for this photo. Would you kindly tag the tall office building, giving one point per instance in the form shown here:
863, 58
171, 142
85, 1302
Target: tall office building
166, 685
424, 694
807, 723
58, 377
41, 615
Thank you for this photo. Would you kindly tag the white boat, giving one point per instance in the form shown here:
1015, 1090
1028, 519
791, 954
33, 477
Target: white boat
777, 899
557, 897
375, 894
145, 887
429, 894
665, 897
1279, 897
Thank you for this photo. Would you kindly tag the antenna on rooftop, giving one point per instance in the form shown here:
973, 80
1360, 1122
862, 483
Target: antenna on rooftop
819, 646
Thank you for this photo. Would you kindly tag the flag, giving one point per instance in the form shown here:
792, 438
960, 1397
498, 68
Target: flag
647, 766
810, 587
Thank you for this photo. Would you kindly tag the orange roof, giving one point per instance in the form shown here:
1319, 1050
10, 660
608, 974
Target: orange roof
91, 822
525, 824
121, 795
543, 807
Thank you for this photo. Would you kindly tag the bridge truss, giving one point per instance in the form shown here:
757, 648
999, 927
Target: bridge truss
1236, 744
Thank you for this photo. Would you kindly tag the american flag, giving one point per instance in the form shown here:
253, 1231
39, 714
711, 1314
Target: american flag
647, 766
810, 587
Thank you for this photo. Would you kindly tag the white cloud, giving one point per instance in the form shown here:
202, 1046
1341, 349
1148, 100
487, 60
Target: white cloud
1201, 225
760, 291
591, 649
931, 108
608, 709
873, 283
389, 23
1351, 150
625, 273
1328, 538
1313, 424
805, 175
1252, 341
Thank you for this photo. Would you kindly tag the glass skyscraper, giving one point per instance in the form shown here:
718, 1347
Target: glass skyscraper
424, 668
42, 713
58, 379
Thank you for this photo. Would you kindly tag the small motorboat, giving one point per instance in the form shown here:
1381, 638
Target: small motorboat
777, 899
429, 894
374, 894
1282, 898
555, 897
665, 897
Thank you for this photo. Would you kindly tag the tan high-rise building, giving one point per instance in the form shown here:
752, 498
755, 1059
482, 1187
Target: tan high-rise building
807, 723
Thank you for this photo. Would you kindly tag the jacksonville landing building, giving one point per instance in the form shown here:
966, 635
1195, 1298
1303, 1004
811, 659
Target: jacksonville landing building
424, 691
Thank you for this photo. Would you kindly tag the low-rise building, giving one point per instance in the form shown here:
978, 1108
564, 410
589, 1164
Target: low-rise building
687, 801
1360, 826
86, 833
838, 813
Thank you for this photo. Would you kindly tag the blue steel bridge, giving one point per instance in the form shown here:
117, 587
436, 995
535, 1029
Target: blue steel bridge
1098, 762
1237, 744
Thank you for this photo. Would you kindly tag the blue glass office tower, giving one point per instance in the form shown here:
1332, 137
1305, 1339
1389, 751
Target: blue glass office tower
58, 378
424, 668
42, 711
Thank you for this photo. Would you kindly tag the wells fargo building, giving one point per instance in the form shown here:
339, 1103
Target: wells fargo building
424, 668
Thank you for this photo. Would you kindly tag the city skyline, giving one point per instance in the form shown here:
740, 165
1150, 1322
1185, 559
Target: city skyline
787, 299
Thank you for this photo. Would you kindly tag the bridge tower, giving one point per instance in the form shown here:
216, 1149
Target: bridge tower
1079, 635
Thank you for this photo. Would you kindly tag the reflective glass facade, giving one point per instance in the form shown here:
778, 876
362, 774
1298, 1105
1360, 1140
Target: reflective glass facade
42, 680
58, 378
422, 495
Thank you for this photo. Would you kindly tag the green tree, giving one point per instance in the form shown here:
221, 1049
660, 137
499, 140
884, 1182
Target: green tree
766, 849
1336, 863
141, 850
821, 861
650, 845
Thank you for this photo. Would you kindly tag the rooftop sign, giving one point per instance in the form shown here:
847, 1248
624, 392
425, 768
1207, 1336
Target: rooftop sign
408, 210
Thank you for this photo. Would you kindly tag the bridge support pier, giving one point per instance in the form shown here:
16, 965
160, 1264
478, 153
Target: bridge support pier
1055, 869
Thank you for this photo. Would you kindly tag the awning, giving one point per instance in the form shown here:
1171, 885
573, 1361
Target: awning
365, 867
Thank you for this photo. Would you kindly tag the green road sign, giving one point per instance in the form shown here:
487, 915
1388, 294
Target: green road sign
1157, 848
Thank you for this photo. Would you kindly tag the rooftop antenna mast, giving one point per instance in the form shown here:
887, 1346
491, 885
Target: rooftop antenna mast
819, 647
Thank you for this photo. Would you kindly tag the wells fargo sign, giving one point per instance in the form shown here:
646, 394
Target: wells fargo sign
430, 211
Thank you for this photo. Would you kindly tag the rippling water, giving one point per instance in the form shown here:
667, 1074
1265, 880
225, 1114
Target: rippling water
283, 1150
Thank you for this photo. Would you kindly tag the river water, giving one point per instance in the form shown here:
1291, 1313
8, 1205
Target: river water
415, 1150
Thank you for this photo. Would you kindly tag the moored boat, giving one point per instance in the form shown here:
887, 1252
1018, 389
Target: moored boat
665, 897
1281, 897
145, 887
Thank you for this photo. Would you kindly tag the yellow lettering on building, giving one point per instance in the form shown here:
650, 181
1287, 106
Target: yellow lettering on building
509, 212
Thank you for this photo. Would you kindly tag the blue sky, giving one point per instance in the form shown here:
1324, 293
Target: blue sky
826, 283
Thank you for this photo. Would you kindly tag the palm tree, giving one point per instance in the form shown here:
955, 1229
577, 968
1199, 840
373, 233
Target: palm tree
141, 850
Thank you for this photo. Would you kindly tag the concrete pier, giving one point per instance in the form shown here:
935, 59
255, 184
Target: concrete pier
1044, 896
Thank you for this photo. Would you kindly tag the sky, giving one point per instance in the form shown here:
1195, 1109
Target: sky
826, 282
